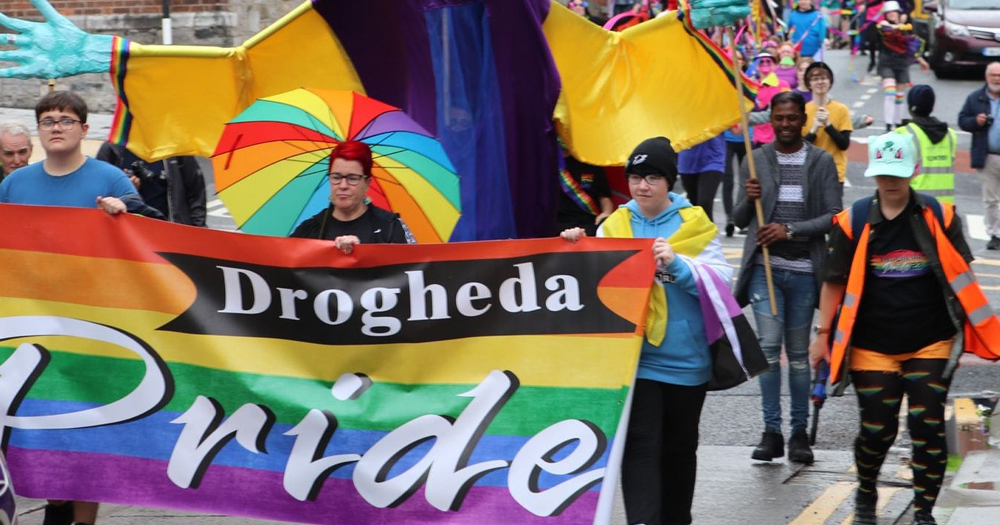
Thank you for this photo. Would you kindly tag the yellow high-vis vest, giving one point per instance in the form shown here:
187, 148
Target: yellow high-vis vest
936, 176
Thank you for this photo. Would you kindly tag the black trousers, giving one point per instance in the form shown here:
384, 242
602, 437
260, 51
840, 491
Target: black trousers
661, 460
735, 151
701, 188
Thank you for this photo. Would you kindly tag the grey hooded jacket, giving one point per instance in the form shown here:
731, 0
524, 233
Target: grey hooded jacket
823, 199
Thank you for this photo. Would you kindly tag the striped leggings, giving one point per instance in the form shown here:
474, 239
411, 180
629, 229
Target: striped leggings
879, 396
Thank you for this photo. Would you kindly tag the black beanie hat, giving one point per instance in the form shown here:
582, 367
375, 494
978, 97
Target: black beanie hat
654, 156
920, 100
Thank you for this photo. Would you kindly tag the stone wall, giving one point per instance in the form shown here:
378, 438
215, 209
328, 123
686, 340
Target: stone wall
194, 22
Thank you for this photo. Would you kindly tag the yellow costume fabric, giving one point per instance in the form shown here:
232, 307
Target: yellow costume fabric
180, 97
617, 88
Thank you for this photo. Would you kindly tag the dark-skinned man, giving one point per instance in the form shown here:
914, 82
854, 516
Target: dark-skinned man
798, 189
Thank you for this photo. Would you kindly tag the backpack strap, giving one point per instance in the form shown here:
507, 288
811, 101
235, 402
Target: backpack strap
935, 206
859, 216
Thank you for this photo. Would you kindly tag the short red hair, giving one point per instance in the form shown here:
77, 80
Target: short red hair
356, 151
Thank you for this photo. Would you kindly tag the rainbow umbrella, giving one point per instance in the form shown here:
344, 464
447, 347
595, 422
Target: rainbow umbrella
271, 163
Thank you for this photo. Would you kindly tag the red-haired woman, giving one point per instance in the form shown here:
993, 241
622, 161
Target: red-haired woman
350, 219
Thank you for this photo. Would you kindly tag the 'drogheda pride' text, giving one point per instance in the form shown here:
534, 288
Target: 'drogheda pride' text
416, 302
567, 449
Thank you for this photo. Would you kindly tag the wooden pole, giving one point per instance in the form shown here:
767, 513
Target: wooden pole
745, 124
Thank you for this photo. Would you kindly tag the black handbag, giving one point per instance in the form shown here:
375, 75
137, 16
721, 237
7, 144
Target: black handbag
726, 370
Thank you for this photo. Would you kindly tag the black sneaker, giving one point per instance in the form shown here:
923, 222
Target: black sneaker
772, 445
730, 229
994, 243
864, 508
58, 514
923, 517
798, 447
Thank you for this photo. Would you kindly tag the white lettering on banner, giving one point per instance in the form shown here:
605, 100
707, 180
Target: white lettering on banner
288, 297
444, 470
248, 293
205, 434
449, 477
468, 293
418, 296
234, 291
306, 470
524, 286
321, 305
28, 361
536, 456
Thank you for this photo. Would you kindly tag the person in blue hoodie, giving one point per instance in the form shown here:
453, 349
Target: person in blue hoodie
807, 30
660, 460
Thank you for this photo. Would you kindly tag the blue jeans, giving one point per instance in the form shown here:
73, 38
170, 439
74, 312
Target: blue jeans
795, 295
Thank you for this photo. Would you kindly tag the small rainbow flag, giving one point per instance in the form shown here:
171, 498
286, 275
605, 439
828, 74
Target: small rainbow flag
179, 367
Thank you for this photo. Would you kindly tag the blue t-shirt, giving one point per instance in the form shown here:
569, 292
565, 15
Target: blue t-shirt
80, 189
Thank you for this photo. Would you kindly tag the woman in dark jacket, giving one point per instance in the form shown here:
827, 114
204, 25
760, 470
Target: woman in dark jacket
351, 219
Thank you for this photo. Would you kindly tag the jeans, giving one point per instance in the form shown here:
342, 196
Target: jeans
661, 452
795, 294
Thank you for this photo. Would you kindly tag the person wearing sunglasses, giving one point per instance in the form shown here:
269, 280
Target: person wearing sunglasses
351, 219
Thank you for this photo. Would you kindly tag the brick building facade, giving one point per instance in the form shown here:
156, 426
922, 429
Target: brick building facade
194, 22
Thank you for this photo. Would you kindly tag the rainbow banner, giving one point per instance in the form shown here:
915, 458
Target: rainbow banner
147, 363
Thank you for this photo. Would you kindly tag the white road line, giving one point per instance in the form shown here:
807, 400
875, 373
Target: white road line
872, 90
859, 105
977, 229
862, 97
217, 209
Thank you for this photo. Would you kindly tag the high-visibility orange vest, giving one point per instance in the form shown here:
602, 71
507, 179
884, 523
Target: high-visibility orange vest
981, 327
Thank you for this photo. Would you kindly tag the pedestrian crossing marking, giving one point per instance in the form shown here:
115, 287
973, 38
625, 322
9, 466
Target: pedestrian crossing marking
977, 228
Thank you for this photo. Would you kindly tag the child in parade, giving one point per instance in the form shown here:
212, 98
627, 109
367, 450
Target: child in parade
898, 50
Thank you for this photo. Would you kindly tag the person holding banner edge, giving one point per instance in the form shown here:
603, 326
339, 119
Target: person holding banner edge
67, 177
350, 219
660, 461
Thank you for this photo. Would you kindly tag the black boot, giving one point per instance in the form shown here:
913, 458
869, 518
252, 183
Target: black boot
58, 514
864, 508
772, 445
730, 229
923, 517
798, 447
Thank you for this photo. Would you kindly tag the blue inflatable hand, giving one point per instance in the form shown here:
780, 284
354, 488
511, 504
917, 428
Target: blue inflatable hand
52, 49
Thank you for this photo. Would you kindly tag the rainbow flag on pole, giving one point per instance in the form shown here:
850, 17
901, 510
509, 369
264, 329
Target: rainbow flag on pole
153, 364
